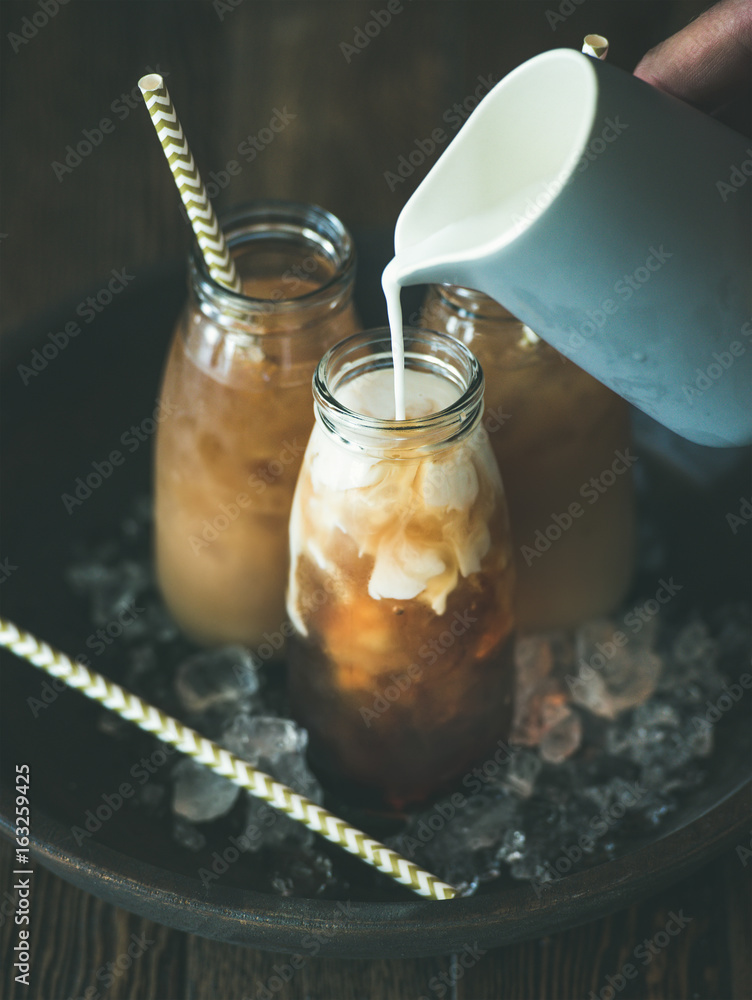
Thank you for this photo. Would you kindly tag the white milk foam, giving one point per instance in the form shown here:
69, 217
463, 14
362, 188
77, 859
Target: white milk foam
388, 507
373, 394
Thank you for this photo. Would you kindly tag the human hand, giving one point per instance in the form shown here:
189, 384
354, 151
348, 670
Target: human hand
708, 63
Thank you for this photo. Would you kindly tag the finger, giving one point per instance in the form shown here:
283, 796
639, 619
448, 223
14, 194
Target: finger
708, 63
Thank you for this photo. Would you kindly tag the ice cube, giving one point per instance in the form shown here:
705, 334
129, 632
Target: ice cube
215, 677
142, 660
562, 740
735, 625
151, 795
460, 843
659, 739
699, 738
520, 772
187, 835
540, 700
694, 650
266, 826
201, 795
138, 521
283, 886
114, 725
115, 589
276, 746
305, 874
533, 660
612, 677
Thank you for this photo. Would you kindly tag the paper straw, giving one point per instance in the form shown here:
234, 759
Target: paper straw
595, 45
216, 758
191, 187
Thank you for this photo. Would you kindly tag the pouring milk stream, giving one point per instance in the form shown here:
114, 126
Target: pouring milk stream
614, 221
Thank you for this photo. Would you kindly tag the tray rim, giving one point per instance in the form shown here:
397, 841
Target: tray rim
395, 929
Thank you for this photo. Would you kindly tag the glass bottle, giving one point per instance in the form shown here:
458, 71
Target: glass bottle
401, 573
562, 442
237, 398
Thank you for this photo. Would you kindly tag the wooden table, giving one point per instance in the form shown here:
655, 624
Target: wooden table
229, 66
76, 936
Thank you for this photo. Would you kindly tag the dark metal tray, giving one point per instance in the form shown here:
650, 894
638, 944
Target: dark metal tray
73, 410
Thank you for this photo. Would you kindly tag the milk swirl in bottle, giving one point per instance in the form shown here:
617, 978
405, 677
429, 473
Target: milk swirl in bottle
401, 576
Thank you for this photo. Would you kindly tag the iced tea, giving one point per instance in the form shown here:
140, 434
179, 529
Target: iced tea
401, 575
560, 438
238, 388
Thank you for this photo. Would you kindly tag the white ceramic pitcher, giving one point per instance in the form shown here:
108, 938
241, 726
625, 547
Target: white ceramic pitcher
613, 219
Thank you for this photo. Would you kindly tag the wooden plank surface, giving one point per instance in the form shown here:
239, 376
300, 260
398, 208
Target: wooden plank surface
77, 939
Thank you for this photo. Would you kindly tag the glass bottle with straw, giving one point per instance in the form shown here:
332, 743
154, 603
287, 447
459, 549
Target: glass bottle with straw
269, 292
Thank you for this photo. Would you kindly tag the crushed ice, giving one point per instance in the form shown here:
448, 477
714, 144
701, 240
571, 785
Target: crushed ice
608, 735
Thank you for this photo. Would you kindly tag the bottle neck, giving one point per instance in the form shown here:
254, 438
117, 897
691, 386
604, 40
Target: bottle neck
469, 302
296, 263
363, 354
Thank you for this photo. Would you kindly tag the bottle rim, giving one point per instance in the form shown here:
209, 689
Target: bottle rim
473, 303
425, 350
277, 218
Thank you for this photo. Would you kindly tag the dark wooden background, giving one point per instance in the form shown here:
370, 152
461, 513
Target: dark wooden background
118, 208
353, 120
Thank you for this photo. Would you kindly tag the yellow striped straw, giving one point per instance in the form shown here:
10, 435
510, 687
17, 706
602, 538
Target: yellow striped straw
217, 759
595, 46
191, 187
